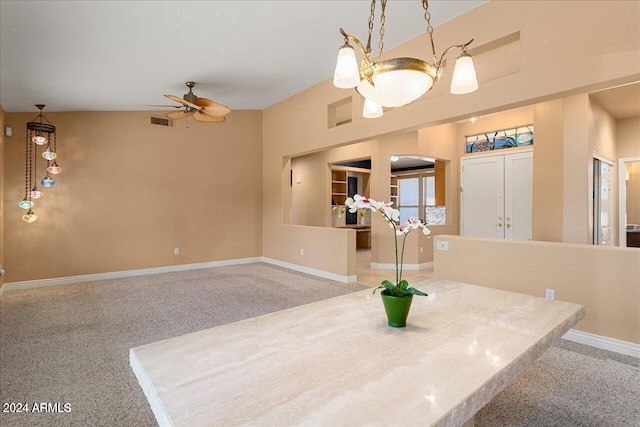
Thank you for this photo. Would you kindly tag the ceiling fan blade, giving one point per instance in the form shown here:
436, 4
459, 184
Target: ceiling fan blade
212, 108
175, 115
202, 117
183, 102
159, 105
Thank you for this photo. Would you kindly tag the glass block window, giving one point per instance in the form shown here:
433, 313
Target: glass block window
500, 139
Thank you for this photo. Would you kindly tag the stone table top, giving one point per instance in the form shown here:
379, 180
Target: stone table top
337, 362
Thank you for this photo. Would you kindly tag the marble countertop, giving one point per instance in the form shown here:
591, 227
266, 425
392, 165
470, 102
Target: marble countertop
336, 362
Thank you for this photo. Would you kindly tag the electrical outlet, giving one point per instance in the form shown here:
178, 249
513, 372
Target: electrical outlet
442, 245
301, 251
176, 251
421, 249
551, 294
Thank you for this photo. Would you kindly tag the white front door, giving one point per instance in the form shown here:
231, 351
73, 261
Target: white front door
497, 196
482, 208
518, 195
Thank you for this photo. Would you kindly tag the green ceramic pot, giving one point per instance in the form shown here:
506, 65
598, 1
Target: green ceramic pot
397, 308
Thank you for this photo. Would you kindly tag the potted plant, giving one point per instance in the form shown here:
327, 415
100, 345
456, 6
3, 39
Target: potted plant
397, 297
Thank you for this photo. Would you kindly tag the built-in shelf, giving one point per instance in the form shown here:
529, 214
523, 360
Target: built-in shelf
338, 187
394, 191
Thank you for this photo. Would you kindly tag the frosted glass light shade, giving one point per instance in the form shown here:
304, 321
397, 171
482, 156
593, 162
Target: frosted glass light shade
396, 88
25, 204
29, 217
464, 76
346, 75
35, 193
372, 110
39, 139
47, 181
48, 154
54, 168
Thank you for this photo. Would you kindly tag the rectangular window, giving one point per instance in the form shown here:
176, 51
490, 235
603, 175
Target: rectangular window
409, 200
417, 199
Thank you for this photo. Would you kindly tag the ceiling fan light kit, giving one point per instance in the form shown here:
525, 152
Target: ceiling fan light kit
201, 109
398, 81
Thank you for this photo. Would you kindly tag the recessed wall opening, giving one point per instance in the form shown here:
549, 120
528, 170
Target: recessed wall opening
339, 113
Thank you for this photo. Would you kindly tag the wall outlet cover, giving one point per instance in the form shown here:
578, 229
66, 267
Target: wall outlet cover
442, 245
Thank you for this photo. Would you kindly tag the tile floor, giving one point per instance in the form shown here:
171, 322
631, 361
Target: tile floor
372, 278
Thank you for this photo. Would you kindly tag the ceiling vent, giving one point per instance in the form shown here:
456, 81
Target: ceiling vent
161, 121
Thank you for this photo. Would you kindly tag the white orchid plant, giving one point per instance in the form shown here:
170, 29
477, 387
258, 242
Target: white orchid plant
392, 218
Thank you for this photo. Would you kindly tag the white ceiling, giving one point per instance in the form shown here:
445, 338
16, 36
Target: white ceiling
118, 55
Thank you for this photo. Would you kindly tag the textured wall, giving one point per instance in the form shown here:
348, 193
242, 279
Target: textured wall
130, 192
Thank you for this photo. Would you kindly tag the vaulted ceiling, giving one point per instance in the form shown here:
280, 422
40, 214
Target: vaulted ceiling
118, 55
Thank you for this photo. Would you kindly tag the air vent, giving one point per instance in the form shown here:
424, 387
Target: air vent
161, 121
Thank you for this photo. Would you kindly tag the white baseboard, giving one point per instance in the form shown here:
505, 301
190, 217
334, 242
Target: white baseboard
604, 343
120, 274
391, 266
312, 271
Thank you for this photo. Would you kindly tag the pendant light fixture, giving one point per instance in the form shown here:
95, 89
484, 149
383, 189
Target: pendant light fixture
40, 132
398, 81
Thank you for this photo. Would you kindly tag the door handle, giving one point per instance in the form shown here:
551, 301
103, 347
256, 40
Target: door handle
508, 225
499, 224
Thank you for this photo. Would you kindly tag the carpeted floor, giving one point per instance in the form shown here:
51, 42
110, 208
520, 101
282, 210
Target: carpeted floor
70, 344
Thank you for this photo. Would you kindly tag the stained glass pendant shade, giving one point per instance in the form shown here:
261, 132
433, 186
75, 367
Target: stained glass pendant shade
47, 181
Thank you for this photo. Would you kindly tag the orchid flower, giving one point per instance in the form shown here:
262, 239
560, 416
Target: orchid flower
392, 217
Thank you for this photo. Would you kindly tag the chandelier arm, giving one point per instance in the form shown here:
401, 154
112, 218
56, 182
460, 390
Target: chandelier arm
459, 46
363, 52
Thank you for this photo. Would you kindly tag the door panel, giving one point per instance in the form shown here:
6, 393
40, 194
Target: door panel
482, 209
518, 195
603, 203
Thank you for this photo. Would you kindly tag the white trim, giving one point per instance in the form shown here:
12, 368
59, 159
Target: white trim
622, 199
14, 286
390, 266
604, 343
312, 271
161, 414
603, 158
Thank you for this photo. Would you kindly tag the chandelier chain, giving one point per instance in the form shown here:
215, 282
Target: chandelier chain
27, 166
427, 18
32, 176
382, 22
371, 19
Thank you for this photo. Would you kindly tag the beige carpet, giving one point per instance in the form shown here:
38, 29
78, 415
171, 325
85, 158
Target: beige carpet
70, 344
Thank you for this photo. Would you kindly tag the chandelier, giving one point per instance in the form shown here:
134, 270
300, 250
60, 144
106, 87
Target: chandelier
38, 134
398, 81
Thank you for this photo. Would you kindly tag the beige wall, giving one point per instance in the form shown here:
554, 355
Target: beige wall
130, 192
603, 279
2, 187
548, 190
557, 56
628, 137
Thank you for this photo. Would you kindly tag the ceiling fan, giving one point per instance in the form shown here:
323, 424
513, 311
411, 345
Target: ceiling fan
201, 109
